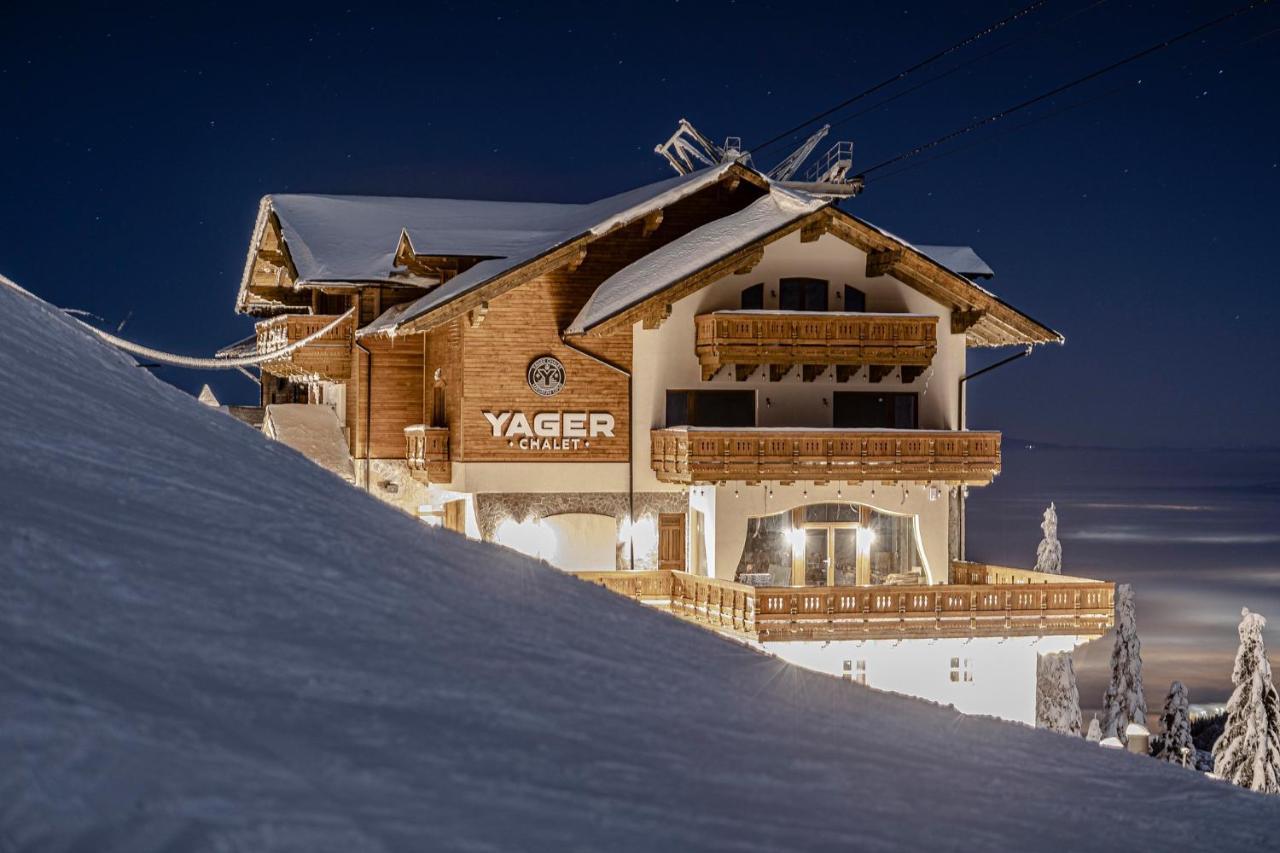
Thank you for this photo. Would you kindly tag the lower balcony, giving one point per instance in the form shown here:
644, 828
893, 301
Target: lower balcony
703, 455
326, 358
427, 453
1075, 607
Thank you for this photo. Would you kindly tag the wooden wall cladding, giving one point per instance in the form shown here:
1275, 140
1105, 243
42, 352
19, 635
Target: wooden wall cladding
397, 395
520, 326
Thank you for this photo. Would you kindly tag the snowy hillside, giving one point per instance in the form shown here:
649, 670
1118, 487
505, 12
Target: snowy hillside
210, 643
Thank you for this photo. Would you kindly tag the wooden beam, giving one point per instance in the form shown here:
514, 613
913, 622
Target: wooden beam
651, 223
655, 318
882, 261
911, 372
811, 372
749, 262
845, 372
813, 230
877, 372
963, 321
476, 315
576, 259
742, 372
777, 371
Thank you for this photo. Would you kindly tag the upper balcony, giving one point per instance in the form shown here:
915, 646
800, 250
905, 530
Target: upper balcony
427, 452
716, 455
815, 340
328, 357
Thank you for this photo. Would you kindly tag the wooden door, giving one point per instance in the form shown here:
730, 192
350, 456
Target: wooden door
455, 516
671, 541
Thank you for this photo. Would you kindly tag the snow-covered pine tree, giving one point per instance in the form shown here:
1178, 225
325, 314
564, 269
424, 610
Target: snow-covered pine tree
1057, 698
1094, 734
1248, 752
1049, 552
1124, 702
1176, 744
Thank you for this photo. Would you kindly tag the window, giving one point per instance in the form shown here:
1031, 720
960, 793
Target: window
961, 670
871, 409
857, 674
753, 298
711, 408
802, 294
854, 299
439, 414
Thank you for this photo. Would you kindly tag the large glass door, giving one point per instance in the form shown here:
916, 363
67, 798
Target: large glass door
817, 556
844, 542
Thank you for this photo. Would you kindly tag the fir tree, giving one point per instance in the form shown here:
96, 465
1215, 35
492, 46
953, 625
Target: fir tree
1057, 698
1124, 702
1049, 552
1248, 752
1095, 730
1176, 744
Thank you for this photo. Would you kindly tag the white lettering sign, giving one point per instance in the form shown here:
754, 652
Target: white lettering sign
550, 430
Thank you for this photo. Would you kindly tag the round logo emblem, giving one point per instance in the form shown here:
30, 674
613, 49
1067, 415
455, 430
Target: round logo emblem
546, 376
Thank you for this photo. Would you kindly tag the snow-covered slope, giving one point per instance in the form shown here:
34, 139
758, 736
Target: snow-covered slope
207, 642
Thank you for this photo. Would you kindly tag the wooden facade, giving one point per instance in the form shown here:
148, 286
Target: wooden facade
711, 455
327, 358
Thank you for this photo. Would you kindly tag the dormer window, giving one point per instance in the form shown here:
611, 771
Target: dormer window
753, 298
802, 294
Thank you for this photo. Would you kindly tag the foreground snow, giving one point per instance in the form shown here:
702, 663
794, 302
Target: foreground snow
210, 643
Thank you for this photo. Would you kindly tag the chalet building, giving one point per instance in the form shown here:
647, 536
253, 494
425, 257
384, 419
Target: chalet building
718, 395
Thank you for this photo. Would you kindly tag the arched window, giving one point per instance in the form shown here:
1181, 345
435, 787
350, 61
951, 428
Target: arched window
753, 298
831, 544
854, 299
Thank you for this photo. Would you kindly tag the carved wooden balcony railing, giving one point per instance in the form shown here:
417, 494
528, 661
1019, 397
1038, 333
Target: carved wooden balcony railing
779, 614
426, 450
328, 357
713, 455
966, 572
943, 610
784, 339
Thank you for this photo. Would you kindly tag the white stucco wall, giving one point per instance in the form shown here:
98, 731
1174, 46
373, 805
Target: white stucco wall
1004, 670
665, 358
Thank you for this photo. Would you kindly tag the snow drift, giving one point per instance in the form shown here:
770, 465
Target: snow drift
211, 643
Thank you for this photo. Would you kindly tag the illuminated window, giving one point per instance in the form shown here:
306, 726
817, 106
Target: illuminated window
855, 671
961, 670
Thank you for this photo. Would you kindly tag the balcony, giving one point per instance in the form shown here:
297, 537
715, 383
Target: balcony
326, 358
1069, 607
698, 455
427, 453
783, 339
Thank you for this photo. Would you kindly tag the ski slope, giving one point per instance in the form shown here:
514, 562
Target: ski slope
209, 643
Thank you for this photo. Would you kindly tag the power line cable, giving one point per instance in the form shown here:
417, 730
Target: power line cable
979, 58
1093, 75
1054, 113
988, 30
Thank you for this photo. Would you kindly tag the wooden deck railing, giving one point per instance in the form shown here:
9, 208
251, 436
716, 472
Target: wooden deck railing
780, 614
328, 357
749, 339
966, 572
427, 451
710, 455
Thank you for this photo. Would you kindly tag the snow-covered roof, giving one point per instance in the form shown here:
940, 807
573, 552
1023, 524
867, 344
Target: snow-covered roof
685, 255
351, 239
313, 431
959, 259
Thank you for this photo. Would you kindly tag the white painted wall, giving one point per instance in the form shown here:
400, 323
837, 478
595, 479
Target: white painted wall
665, 358
1004, 670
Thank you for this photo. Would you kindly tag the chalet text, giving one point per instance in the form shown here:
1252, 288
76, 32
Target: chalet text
550, 430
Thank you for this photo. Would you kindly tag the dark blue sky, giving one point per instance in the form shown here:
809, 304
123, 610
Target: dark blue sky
1138, 217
